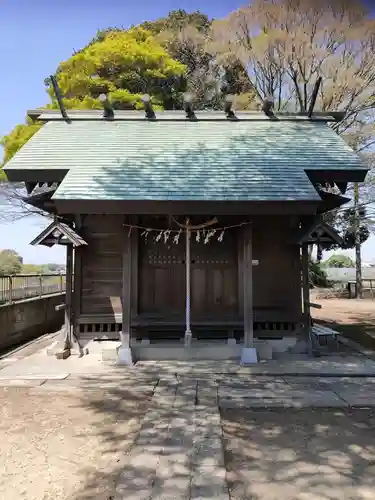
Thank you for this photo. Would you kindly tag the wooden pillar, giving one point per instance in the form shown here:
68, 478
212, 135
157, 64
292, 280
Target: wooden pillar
124, 351
247, 268
77, 285
68, 297
187, 339
306, 295
134, 236
240, 285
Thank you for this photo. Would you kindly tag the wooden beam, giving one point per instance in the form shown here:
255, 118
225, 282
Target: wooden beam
136, 207
248, 287
314, 306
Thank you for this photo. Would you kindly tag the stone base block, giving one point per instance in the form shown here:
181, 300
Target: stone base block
63, 354
249, 356
300, 347
53, 349
264, 349
124, 356
109, 350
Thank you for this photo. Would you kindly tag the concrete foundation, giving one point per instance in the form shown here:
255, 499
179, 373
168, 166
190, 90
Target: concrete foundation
197, 350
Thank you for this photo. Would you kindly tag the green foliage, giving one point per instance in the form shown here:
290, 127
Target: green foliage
177, 20
338, 260
31, 269
52, 268
125, 65
10, 262
317, 275
42, 268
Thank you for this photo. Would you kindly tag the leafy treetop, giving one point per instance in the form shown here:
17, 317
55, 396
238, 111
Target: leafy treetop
10, 262
338, 260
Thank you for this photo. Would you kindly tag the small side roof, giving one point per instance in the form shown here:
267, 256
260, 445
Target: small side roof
319, 231
58, 233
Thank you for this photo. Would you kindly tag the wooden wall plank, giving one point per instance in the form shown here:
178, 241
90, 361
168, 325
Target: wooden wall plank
102, 264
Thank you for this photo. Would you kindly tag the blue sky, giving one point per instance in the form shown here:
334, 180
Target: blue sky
35, 37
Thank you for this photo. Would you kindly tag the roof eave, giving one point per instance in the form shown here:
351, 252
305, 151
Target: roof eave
34, 175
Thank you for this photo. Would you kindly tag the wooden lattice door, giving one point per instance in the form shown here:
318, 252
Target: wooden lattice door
214, 278
162, 278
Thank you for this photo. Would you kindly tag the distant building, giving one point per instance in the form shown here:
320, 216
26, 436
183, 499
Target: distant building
344, 274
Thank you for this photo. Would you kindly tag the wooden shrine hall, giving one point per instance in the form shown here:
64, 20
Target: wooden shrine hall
185, 228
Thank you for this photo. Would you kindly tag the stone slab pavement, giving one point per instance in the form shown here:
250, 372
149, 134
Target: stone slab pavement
39, 365
332, 381
179, 451
295, 365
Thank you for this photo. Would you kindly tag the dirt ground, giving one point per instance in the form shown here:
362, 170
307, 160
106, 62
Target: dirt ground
354, 318
345, 310
310, 455
64, 446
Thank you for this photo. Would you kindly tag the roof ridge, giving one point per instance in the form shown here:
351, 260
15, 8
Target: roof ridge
172, 115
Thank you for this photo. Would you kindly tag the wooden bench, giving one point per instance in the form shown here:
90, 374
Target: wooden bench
325, 332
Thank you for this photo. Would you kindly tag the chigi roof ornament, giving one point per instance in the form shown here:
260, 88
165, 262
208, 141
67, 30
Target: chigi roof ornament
228, 106
150, 113
108, 112
59, 98
188, 106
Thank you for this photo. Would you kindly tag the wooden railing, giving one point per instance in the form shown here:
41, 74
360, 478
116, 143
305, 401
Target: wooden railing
25, 286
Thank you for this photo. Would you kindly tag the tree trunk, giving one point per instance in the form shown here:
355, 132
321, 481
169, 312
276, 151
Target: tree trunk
358, 263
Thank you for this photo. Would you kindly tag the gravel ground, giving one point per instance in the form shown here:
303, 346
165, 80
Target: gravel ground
64, 446
300, 454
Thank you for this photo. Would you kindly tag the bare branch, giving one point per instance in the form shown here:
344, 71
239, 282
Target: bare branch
13, 207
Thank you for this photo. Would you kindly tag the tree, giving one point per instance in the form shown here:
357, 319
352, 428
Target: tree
10, 262
122, 64
185, 37
286, 45
339, 260
317, 275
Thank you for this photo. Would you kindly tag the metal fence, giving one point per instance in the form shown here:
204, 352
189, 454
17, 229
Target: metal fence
25, 286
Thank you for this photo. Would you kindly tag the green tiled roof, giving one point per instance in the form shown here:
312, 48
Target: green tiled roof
180, 160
